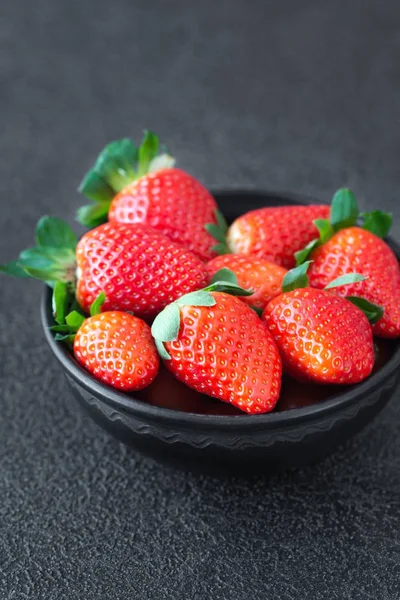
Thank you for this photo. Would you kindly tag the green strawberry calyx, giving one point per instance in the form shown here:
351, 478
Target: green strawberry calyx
52, 260
166, 325
297, 278
345, 213
218, 231
119, 163
68, 324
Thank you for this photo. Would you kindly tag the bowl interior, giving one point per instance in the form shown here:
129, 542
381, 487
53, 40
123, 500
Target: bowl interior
170, 400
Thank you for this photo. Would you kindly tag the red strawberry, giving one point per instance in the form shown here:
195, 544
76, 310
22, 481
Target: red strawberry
137, 185
320, 336
217, 345
172, 202
343, 248
355, 249
115, 347
118, 349
261, 276
139, 269
275, 234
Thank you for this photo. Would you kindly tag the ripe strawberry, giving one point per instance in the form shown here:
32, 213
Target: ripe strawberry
355, 249
217, 345
320, 336
344, 247
115, 347
138, 268
138, 185
263, 277
274, 234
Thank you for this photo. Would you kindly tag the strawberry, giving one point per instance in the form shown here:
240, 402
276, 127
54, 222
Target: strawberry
215, 344
115, 347
320, 336
344, 247
139, 185
139, 269
274, 234
263, 277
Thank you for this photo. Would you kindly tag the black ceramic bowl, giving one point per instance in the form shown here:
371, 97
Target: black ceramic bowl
174, 424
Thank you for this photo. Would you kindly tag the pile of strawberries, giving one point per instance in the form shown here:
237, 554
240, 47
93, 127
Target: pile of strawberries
163, 276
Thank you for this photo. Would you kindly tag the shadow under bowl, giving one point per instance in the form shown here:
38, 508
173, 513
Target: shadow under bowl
210, 435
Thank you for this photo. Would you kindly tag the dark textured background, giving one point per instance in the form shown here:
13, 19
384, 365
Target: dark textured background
288, 95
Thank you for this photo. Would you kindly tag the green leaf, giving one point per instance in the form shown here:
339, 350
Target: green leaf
48, 277
345, 280
215, 232
65, 338
344, 209
377, 222
258, 311
161, 350
75, 320
93, 215
166, 325
63, 328
15, 269
221, 221
221, 249
200, 298
218, 232
37, 258
95, 188
296, 278
226, 275
61, 300
373, 312
95, 309
325, 230
55, 233
148, 151
116, 164
49, 264
302, 255
44, 257
76, 307
228, 288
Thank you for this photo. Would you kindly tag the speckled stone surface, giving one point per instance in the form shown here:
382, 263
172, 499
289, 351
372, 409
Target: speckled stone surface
300, 96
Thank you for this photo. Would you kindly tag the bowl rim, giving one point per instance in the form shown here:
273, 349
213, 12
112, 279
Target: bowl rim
143, 410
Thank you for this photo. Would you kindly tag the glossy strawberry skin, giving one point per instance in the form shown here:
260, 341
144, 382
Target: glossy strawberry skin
138, 269
359, 251
320, 336
117, 349
225, 351
275, 233
174, 203
262, 276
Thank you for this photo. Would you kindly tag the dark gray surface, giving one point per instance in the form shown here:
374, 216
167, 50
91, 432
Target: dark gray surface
290, 95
